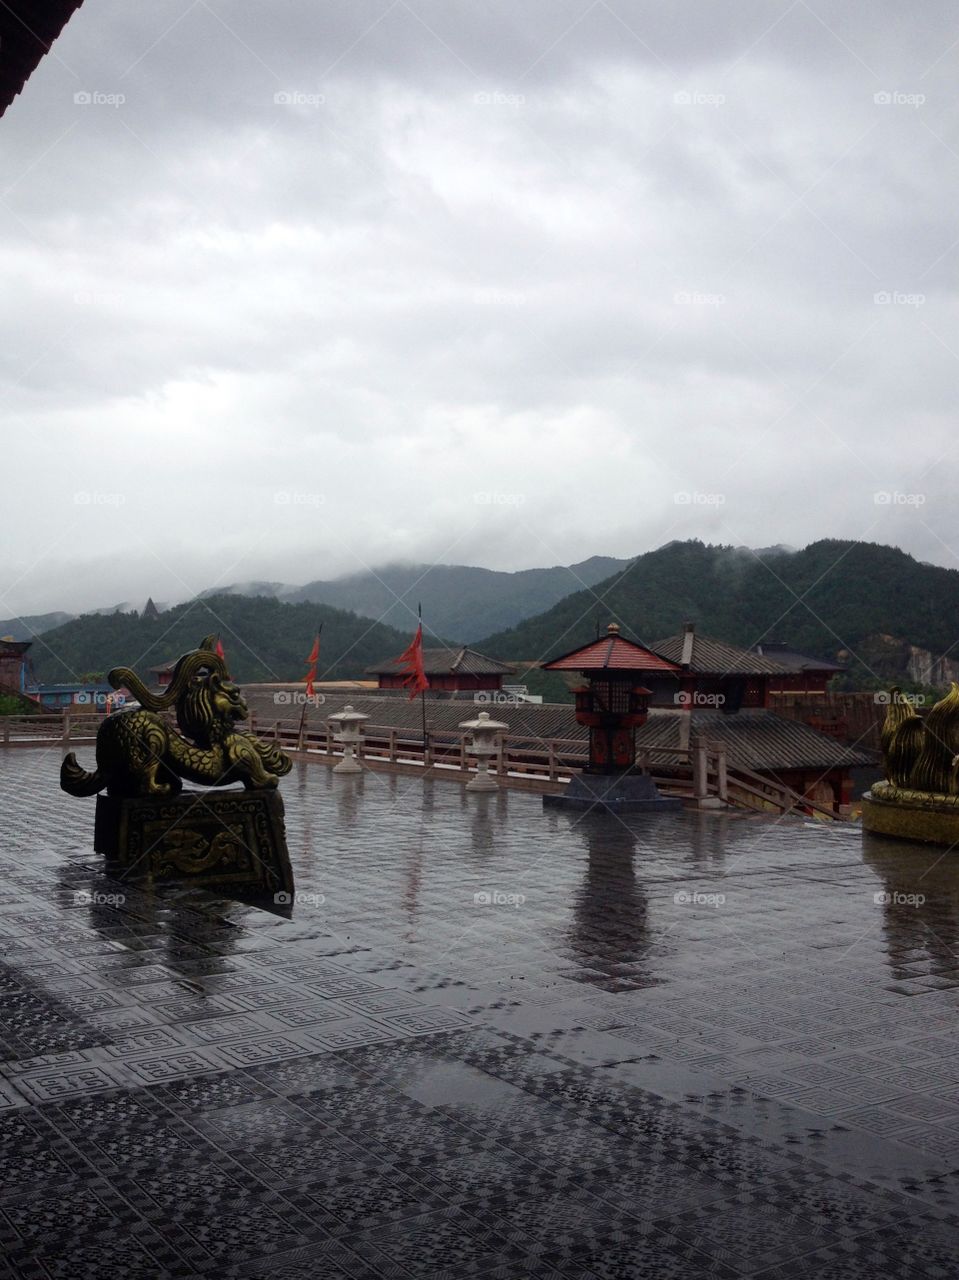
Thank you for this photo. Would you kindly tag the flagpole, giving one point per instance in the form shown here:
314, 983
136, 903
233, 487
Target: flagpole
312, 660
419, 611
410, 663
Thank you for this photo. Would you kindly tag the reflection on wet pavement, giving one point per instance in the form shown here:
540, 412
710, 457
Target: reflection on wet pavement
492, 1040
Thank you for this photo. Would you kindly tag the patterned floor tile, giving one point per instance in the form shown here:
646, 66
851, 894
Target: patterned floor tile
588, 1089
67, 1082
158, 1068
654, 1254
195, 1094
442, 1243
747, 1233
305, 1074
324, 1258
364, 1197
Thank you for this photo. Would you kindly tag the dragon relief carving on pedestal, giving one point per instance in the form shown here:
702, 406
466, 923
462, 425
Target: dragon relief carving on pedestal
139, 753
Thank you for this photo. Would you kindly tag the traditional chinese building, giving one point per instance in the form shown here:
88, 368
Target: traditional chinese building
803, 675
86, 695
15, 672
448, 671
162, 674
724, 696
713, 674
699, 687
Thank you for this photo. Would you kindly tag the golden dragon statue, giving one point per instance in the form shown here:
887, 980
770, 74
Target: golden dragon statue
139, 753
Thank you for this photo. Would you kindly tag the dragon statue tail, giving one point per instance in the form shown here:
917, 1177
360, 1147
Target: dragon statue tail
76, 781
185, 671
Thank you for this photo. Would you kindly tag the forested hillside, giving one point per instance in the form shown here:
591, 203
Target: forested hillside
859, 603
264, 640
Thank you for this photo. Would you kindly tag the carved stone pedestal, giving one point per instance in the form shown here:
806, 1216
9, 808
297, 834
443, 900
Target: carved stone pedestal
911, 815
222, 840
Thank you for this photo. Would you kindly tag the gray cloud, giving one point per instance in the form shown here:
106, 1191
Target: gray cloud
585, 257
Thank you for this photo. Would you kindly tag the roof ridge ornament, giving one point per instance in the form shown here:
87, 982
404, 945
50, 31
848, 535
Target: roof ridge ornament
689, 639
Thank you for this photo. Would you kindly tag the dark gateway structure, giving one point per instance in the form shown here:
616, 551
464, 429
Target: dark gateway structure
28, 29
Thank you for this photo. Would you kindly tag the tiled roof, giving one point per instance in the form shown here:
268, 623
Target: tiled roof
535, 720
754, 739
444, 662
27, 30
793, 660
704, 656
611, 652
757, 739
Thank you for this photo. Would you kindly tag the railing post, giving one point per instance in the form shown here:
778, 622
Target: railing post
462, 753
65, 726
551, 760
700, 766
722, 778
392, 746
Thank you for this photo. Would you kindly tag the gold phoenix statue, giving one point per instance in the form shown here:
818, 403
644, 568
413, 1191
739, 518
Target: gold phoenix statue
139, 753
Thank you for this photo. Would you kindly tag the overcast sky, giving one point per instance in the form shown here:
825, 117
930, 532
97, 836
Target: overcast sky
292, 289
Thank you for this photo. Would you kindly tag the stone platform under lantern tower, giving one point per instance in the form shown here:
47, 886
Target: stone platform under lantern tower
613, 703
626, 793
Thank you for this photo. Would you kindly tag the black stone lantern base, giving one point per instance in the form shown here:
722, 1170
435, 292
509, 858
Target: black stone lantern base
612, 793
230, 841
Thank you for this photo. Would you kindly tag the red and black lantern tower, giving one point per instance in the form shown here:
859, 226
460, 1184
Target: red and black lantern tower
613, 703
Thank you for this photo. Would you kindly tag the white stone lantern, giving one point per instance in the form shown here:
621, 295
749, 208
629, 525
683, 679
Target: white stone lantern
484, 744
348, 729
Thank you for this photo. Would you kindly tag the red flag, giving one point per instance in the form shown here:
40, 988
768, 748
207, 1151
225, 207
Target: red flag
413, 658
312, 660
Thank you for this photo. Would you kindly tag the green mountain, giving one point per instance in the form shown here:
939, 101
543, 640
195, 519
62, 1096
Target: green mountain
459, 601
874, 608
265, 640
28, 627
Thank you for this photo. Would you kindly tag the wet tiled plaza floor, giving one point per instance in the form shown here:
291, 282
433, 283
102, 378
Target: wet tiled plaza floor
492, 1041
